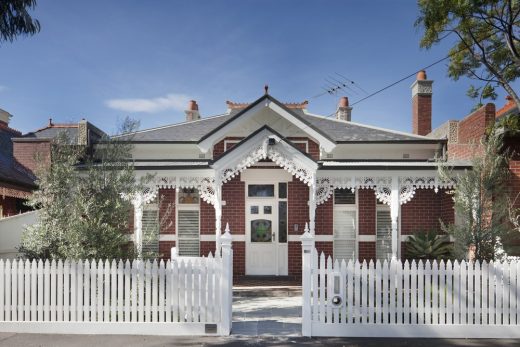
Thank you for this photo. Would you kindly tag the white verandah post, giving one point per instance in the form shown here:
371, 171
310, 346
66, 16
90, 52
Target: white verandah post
394, 215
312, 205
138, 203
226, 284
218, 215
307, 250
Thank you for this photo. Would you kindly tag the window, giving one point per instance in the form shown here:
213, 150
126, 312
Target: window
282, 221
150, 227
260, 190
188, 222
345, 224
383, 232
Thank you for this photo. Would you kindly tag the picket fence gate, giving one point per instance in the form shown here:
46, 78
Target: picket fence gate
183, 296
410, 299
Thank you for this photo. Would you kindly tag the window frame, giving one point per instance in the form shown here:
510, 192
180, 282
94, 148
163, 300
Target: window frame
346, 207
185, 207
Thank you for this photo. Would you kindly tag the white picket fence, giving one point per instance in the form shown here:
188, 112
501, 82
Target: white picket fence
177, 297
417, 299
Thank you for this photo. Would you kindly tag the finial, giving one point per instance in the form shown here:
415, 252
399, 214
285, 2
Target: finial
266, 89
50, 122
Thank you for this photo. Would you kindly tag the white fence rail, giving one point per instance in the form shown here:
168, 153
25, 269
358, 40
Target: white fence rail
179, 297
410, 299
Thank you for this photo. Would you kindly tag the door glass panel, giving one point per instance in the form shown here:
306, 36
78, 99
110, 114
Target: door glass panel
282, 221
260, 190
268, 210
261, 230
254, 209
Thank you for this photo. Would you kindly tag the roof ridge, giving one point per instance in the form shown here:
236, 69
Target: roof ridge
368, 126
173, 125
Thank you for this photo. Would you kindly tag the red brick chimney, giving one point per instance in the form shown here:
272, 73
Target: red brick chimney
422, 105
192, 113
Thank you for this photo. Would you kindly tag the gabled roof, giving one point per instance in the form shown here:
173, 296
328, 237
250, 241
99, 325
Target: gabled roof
10, 171
337, 131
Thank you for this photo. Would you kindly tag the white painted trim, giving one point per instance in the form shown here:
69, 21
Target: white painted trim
317, 238
212, 238
274, 176
230, 141
167, 237
367, 238
305, 142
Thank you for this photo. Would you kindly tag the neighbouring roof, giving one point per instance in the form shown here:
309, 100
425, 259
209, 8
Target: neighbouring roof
72, 131
338, 131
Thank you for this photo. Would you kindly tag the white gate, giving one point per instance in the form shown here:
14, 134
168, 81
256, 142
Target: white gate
189, 296
417, 299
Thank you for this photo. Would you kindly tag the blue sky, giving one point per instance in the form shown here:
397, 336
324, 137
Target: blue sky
104, 60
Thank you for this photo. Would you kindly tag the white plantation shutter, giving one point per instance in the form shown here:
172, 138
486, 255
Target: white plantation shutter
150, 227
383, 233
188, 232
344, 232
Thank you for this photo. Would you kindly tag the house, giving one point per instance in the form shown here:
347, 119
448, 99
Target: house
269, 168
20, 155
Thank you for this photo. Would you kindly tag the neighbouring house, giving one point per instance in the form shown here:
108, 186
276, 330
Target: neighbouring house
269, 168
463, 142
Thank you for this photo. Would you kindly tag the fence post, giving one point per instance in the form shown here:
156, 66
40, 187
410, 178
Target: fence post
307, 249
226, 283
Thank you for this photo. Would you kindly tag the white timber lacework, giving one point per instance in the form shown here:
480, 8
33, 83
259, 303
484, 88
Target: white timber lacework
382, 186
281, 155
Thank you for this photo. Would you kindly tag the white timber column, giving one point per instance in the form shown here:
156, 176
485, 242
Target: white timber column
394, 215
312, 205
138, 203
218, 214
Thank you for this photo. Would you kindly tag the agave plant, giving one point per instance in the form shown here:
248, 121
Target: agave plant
428, 245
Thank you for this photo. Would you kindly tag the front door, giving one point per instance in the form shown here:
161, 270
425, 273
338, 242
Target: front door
266, 249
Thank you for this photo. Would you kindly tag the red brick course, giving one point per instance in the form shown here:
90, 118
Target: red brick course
233, 193
366, 250
422, 213
367, 211
165, 249
324, 218
422, 114
219, 147
298, 208
207, 218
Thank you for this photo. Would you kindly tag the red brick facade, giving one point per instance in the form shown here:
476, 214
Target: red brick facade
8, 205
367, 211
422, 114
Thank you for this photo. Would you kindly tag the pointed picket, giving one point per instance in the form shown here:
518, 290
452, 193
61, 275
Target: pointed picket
498, 293
129, 294
147, 291
196, 290
407, 312
460, 292
379, 294
491, 293
3, 283
371, 283
140, 288
161, 291
435, 292
79, 289
385, 290
350, 291
169, 291
392, 292
182, 291
188, 292
86, 291
175, 298
413, 292
484, 292
399, 292
322, 288
420, 292
364, 291
449, 290
27, 291
343, 289
470, 297
357, 292
113, 291
40, 292
442, 292
135, 289
21, 289
72, 291
154, 291
121, 291
93, 296
14, 290
505, 293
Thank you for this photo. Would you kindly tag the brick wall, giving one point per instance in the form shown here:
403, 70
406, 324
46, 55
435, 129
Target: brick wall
367, 211
447, 209
219, 147
313, 149
167, 211
422, 114
28, 153
324, 218
233, 193
165, 248
327, 247
470, 131
422, 213
366, 250
207, 218
298, 209
295, 258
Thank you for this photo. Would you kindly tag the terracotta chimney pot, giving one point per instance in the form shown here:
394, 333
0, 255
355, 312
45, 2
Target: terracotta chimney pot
343, 102
421, 76
192, 105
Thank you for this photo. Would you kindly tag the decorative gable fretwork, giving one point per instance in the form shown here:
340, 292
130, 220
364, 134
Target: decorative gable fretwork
382, 185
